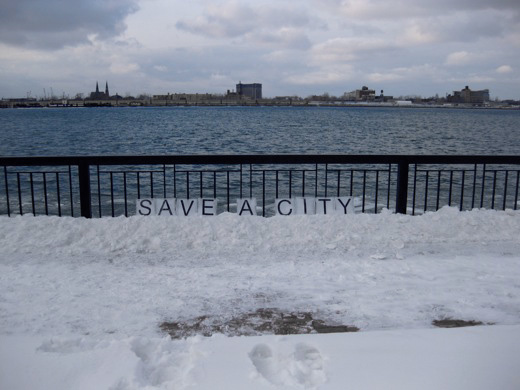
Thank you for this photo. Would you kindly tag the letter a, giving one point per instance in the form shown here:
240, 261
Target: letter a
246, 206
163, 207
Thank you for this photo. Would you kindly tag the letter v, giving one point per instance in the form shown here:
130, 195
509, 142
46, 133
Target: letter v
186, 212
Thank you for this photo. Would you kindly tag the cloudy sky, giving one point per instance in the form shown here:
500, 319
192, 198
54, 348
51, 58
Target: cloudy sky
292, 47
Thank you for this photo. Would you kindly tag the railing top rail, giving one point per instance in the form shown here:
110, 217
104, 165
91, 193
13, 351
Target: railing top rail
259, 159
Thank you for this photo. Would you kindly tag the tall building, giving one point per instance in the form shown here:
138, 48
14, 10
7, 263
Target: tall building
253, 91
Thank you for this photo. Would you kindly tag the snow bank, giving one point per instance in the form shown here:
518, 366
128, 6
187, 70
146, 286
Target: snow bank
229, 233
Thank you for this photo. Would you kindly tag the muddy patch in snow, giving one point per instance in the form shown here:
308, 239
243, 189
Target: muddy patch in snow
454, 323
262, 321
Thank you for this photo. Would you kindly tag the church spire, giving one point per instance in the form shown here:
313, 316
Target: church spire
106, 90
97, 87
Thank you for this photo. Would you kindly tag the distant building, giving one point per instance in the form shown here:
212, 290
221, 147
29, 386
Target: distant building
97, 95
363, 94
467, 96
253, 91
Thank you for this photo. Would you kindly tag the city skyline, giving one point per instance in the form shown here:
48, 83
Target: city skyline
301, 48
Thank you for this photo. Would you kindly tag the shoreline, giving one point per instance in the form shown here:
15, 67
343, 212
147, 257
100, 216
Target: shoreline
133, 104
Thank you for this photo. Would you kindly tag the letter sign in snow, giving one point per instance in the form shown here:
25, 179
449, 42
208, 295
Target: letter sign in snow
186, 207
165, 207
305, 206
207, 207
145, 207
344, 205
284, 206
246, 206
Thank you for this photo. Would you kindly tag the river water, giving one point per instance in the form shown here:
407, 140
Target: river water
257, 130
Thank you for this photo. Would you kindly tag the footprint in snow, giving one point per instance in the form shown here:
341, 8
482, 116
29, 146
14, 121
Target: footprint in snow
302, 369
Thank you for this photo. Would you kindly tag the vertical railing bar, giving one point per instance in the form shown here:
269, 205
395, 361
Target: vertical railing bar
70, 189
316, 181
188, 184
474, 187
388, 188
326, 179
138, 185
339, 183
241, 173
414, 189
303, 183
290, 183
45, 193
7, 191
174, 180
426, 191
462, 190
401, 198
364, 188
377, 190
227, 189
438, 189
164, 180
505, 190
276, 183
112, 192
515, 206
483, 184
58, 193
263, 193
250, 180
351, 182
201, 185
125, 194
451, 188
85, 195
151, 184
32, 194
99, 190
494, 189
19, 193
214, 184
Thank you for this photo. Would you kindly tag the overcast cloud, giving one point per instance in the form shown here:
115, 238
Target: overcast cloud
303, 47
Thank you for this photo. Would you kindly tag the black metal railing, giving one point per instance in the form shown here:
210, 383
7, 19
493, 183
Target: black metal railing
109, 185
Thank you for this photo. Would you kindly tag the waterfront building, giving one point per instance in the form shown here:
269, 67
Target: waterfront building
363, 94
253, 91
467, 96
97, 95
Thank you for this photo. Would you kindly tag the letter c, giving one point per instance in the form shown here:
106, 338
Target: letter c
280, 210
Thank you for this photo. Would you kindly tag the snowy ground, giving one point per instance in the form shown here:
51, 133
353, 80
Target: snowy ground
81, 301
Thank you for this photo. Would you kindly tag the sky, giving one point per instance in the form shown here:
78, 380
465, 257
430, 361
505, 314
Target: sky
292, 47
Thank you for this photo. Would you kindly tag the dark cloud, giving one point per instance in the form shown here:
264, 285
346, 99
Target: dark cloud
52, 24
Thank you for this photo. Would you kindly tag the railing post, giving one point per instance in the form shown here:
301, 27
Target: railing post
402, 187
84, 190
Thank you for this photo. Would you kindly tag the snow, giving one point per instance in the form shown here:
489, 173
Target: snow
82, 301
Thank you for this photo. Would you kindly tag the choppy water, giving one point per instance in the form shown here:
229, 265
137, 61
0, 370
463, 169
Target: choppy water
262, 130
